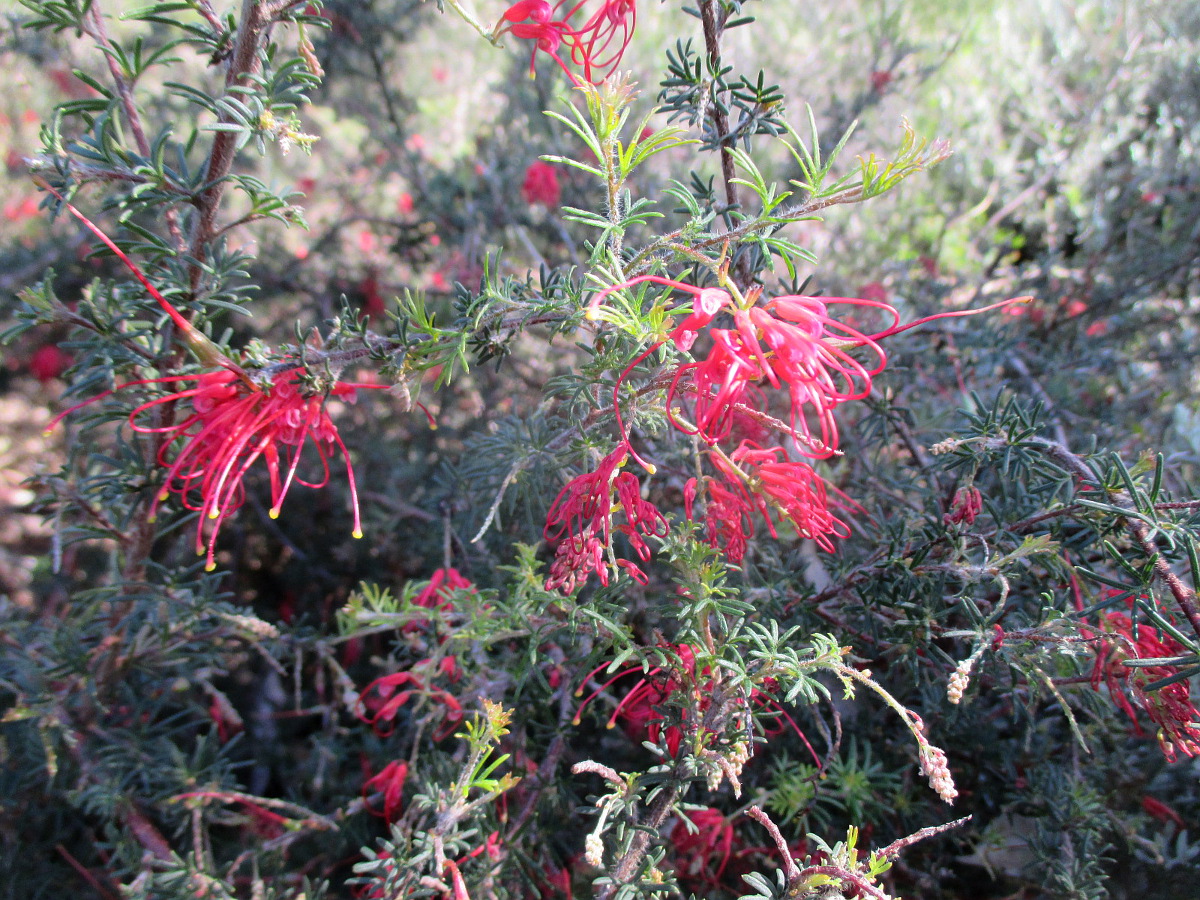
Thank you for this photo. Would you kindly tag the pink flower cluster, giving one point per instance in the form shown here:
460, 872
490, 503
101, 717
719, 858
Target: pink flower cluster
791, 343
568, 35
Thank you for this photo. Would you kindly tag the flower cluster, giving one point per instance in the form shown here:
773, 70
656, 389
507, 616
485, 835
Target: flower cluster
1170, 707
788, 342
233, 423
592, 43
580, 523
235, 420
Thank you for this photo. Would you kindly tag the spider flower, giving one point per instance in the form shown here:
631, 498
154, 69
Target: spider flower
1169, 707
231, 426
235, 421
580, 521
753, 480
595, 46
791, 341
388, 785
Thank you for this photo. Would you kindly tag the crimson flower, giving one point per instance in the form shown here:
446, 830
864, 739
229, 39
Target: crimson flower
390, 783
381, 700
968, 503
595, 46
233, 424
580, 522
640, 713
541, 185
235, 420
1169, 707
764, 481
703, 846
48, 362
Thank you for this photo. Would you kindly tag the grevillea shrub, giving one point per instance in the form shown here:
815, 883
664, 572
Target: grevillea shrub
609, 502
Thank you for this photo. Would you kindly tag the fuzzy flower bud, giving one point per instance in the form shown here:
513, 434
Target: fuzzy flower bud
959, 681
934, 766
593, 850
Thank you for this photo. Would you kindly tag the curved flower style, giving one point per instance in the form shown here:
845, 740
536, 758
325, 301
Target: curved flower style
230, 428
595, 47
1170, 707
756, 480
235, 421
580, 521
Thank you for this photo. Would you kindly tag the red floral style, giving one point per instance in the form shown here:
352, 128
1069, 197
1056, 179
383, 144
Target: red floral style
1169, 707
580, 522
596, 46
231, 426
236, 419
760, 481
540, 186
382, 699
390, 783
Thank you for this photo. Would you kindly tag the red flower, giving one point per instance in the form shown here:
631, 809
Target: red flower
757, 480
580, 521
1169, 707
48, 362
390, 783
596, 46
968, 503
541, 185
232, 425
380, 702
703, 846
639, 712
235, 421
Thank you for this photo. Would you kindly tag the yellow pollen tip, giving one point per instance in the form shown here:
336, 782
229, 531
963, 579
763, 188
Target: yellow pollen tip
273, 512
150, 520
575, 721
199, 551
356, 534
210, 567
591, 315
611, 725
164, 496
48, 430
433, 427
213, 513
651, 468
